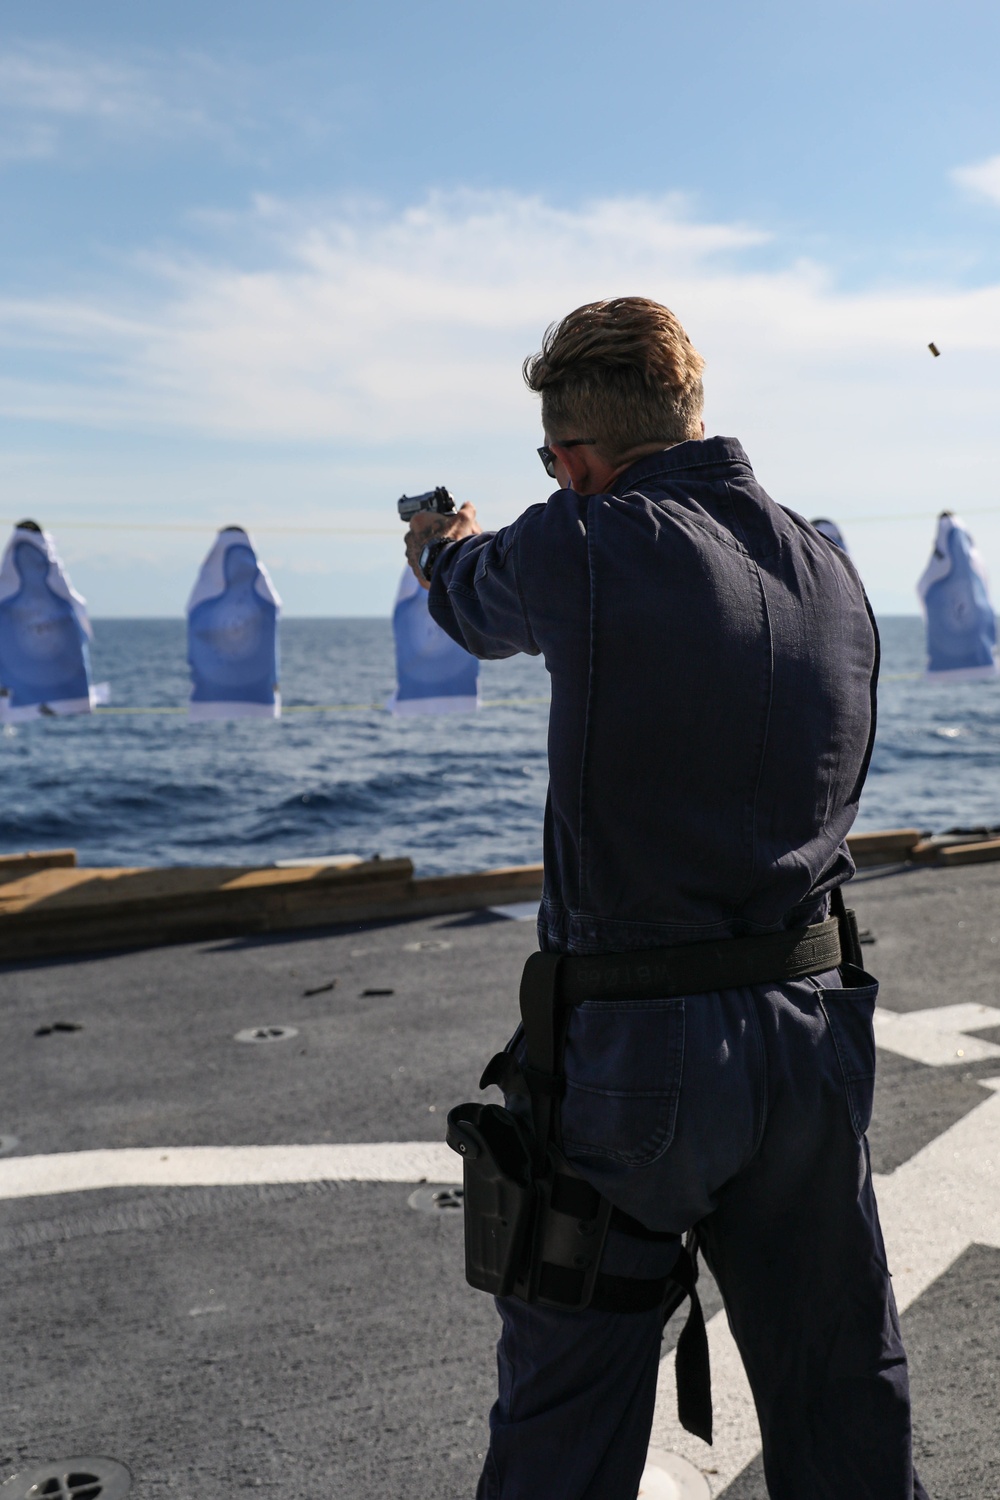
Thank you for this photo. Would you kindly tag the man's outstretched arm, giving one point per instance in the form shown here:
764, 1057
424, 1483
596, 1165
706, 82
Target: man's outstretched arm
474, 591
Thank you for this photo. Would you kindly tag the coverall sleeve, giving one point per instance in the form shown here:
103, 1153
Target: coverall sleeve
477, 596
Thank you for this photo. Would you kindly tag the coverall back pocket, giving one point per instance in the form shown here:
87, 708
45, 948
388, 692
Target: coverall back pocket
623, 1061
849, 1015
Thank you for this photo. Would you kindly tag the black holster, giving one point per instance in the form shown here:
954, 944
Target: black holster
499, 1196
534, 1231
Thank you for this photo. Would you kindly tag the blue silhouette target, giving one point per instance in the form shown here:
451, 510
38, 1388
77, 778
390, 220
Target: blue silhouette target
44, 631
961, 626
831, 531
233, 634
434, 675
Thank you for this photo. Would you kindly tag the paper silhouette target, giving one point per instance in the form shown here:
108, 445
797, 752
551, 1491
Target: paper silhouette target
44, 632
961, 626
233, 634
434, 675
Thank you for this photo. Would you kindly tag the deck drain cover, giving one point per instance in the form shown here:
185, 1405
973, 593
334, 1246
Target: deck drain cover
437, 1200
71, 1479
266, 1034
8, 1143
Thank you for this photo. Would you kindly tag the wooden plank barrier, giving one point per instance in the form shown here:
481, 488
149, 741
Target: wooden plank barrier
60, 911
889, 847
969, 854
50, 907
13, 866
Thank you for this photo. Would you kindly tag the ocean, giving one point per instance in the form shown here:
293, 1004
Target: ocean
136, 784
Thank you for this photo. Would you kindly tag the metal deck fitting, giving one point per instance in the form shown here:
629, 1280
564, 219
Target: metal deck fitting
266, 1034
86, 1478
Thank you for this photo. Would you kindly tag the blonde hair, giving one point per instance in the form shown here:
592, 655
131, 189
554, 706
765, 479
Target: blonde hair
622, 372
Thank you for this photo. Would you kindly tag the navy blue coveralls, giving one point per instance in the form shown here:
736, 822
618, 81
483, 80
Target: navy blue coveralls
713, 666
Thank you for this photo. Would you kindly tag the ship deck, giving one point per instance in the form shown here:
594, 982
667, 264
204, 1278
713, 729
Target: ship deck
278, 1318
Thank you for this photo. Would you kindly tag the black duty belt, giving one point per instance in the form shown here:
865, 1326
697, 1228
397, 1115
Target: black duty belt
552, 983
696, 968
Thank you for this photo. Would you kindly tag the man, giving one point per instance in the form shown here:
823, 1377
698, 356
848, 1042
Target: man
713, 664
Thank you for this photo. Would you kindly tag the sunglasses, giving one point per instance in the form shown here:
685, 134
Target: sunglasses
549, 458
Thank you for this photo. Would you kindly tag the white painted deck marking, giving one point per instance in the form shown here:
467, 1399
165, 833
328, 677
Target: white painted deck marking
933, 1208
937, 1037
225, 1166
667, 1477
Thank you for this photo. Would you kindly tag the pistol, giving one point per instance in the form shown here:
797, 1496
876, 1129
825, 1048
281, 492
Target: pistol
441, 501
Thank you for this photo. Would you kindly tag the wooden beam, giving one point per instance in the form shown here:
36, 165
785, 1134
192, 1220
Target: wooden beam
889, 847
13, 866
969, 854
50, 907
58, 912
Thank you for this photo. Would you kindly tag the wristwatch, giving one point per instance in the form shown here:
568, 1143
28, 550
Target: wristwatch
429, 555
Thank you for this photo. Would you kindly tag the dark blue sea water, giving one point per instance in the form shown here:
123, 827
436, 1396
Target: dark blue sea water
453, 794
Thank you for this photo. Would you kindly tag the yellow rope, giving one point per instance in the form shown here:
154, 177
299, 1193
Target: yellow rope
325, 708
398, 533
202, 526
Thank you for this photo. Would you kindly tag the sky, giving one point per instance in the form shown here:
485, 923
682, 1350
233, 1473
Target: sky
274, 264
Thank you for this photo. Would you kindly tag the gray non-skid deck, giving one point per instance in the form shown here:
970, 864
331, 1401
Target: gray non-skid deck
315, 1340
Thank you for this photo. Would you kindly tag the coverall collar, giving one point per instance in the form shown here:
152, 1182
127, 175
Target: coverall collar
694, 454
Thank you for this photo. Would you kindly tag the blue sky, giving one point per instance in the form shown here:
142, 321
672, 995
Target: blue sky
275, 263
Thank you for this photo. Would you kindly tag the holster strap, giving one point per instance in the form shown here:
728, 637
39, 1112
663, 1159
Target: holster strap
694, 1374
630, 1294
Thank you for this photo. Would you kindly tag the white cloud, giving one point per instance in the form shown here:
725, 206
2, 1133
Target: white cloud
389, 344
367, 324
982, 179
49, 92
49, 81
